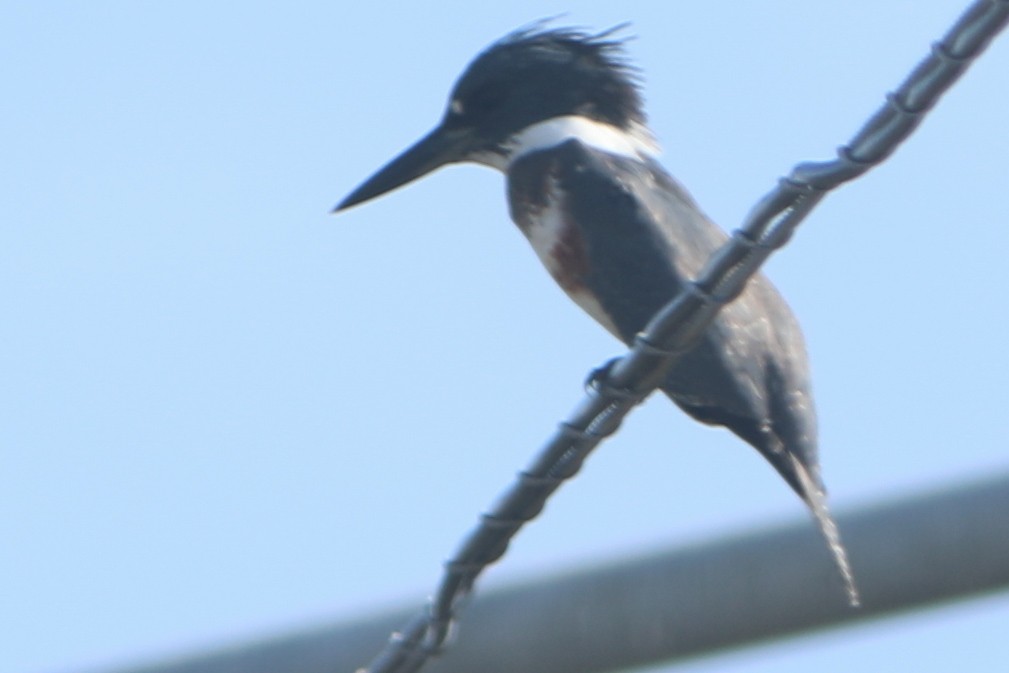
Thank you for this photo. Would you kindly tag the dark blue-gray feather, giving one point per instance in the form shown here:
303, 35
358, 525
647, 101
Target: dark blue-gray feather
641, 237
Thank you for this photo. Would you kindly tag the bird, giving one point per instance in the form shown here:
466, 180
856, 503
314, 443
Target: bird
560, 112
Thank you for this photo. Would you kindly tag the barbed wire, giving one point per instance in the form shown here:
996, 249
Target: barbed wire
618, 388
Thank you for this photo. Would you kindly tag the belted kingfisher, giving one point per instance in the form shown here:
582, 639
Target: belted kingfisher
559, 112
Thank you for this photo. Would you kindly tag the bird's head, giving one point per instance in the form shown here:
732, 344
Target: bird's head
528, 77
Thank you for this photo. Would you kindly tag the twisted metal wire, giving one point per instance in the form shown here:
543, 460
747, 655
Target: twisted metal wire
616, 389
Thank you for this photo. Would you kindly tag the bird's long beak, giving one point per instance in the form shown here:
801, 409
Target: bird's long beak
437, 148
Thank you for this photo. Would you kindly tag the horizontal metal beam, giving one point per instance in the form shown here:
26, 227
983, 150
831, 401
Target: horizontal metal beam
684, 602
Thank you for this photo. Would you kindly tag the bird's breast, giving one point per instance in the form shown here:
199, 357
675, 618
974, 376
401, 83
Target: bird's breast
541, 210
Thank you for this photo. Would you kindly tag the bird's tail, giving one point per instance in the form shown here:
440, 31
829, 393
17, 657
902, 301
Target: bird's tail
816, 499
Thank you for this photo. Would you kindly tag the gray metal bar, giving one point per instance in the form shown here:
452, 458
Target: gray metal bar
685, 602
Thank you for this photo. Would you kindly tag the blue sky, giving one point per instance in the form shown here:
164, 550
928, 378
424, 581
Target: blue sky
225, 412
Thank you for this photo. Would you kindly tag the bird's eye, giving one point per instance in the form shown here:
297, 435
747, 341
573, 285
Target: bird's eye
456, 107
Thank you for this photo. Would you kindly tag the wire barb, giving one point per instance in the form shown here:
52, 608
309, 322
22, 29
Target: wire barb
671, 332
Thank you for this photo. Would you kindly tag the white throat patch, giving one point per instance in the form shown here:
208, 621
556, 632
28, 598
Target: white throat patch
636, 143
